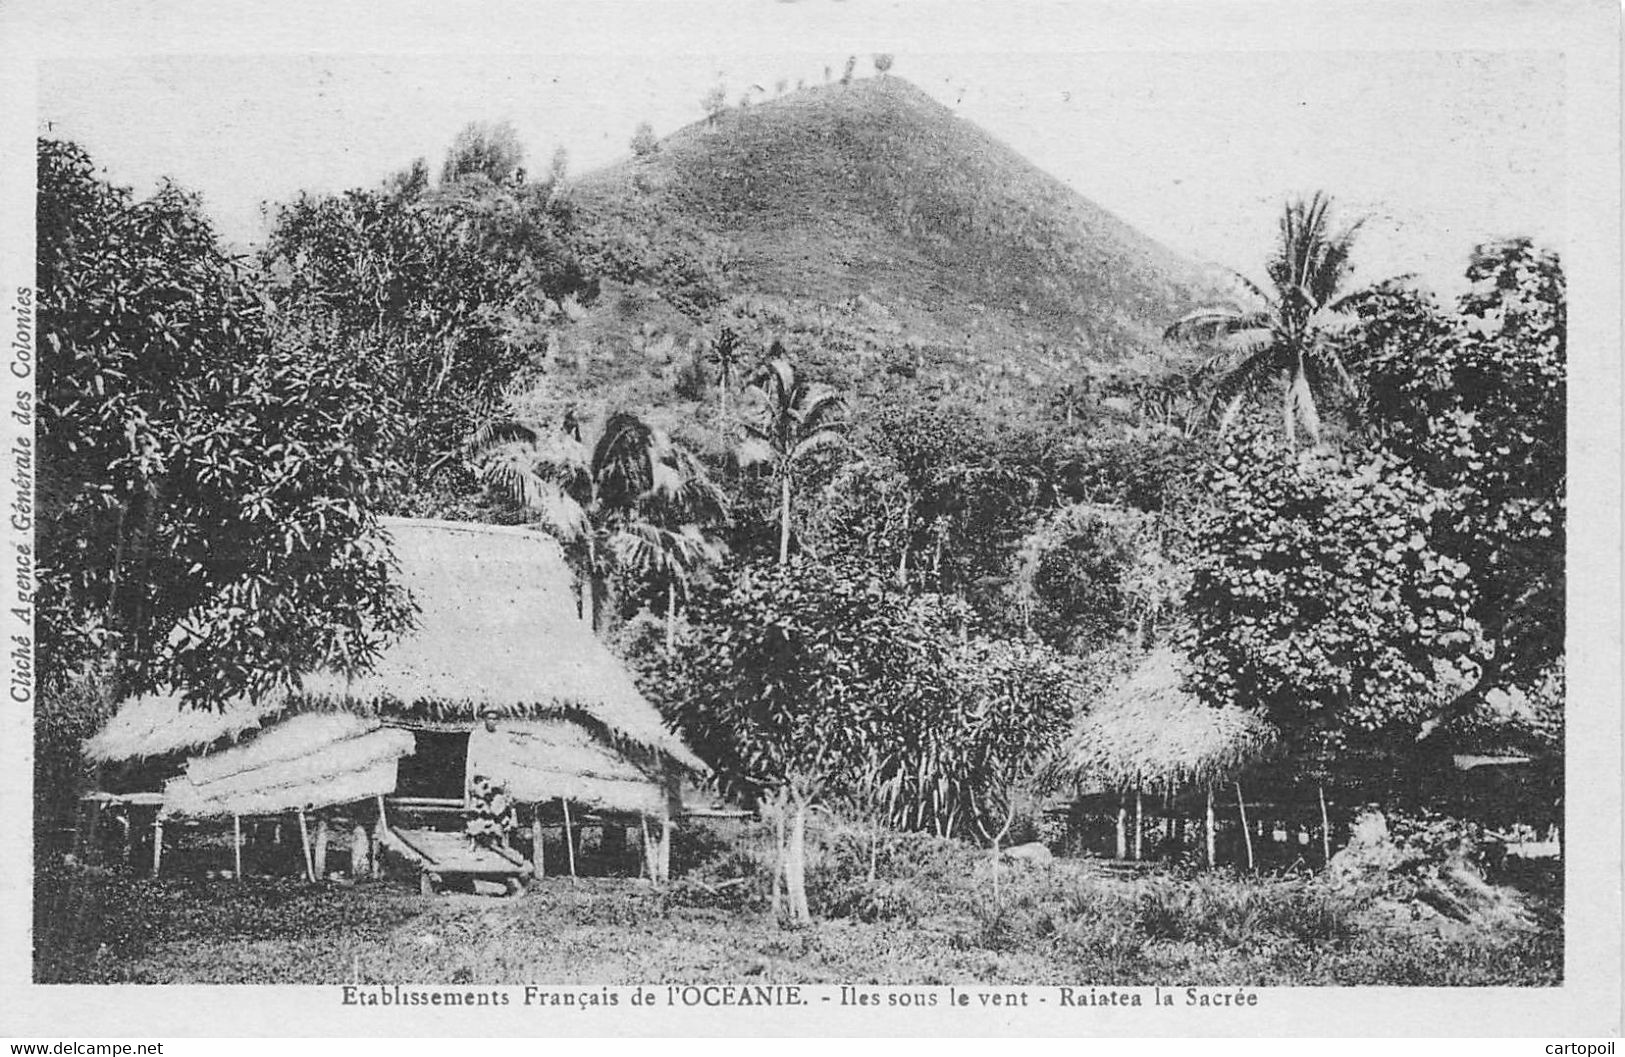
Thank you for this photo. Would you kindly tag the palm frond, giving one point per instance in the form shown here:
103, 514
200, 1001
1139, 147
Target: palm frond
515, 477
1253, 288
1206, 323
824, 438
817, 407
775, 378
497, 432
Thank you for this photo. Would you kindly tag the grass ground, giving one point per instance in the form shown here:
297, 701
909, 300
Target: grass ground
929, 918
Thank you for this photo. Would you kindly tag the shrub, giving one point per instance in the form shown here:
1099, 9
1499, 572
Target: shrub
1311, 915
66, 715
1237, 913
644, 142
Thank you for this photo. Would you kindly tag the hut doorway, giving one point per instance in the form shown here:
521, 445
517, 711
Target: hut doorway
437, 769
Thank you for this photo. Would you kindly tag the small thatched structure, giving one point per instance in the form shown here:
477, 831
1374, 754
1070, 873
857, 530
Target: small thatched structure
500, 668
1152, 735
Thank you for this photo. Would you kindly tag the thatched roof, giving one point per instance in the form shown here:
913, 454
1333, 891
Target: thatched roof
497, 633
309, 761
542, 759
1149, 732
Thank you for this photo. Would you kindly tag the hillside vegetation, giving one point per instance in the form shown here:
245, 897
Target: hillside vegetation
879, 236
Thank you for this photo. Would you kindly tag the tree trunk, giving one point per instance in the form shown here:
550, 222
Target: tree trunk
1325, 827
795, 874
902, 560
778, 856
1287, 417
784, 519
1246, 831
589, 608
671, 617
1209, 829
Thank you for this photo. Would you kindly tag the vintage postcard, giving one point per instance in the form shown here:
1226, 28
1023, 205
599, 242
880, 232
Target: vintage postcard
814, 518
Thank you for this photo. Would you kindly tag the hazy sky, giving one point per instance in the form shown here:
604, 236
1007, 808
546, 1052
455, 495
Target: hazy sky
1439, 149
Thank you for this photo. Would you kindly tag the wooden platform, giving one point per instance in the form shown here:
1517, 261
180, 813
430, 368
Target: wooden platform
440, 854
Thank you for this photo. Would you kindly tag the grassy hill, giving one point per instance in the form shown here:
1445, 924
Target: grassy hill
883, 239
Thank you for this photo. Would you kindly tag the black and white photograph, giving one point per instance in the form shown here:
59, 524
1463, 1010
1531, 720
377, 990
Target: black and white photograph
943, 518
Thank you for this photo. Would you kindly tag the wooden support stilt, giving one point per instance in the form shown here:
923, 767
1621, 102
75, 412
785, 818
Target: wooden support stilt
663, 860
1122, 826
647, 866
304, 846
1246, 831
1139, 825
157, 844
537, 856
237, 846
380, 834
323, 837
1209, 827
569, 837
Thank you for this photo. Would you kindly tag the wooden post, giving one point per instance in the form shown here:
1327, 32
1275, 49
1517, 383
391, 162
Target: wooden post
1246, 832
379, 836
237, 846
1325, 828
322, 838
1139, 824
1122, 826
663, 862
569, 838
648, 864
157, 843
304, 846
536, 855
1209, 828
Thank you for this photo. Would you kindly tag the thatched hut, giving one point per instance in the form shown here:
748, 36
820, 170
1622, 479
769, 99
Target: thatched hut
500, 679
1150, 734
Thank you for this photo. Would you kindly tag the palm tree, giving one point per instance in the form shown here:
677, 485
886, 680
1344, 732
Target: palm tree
796, 419
610, 491
669, 554
1286, 336
725, 352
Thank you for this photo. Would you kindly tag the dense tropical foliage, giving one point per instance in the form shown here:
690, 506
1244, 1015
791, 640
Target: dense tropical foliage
207, 521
